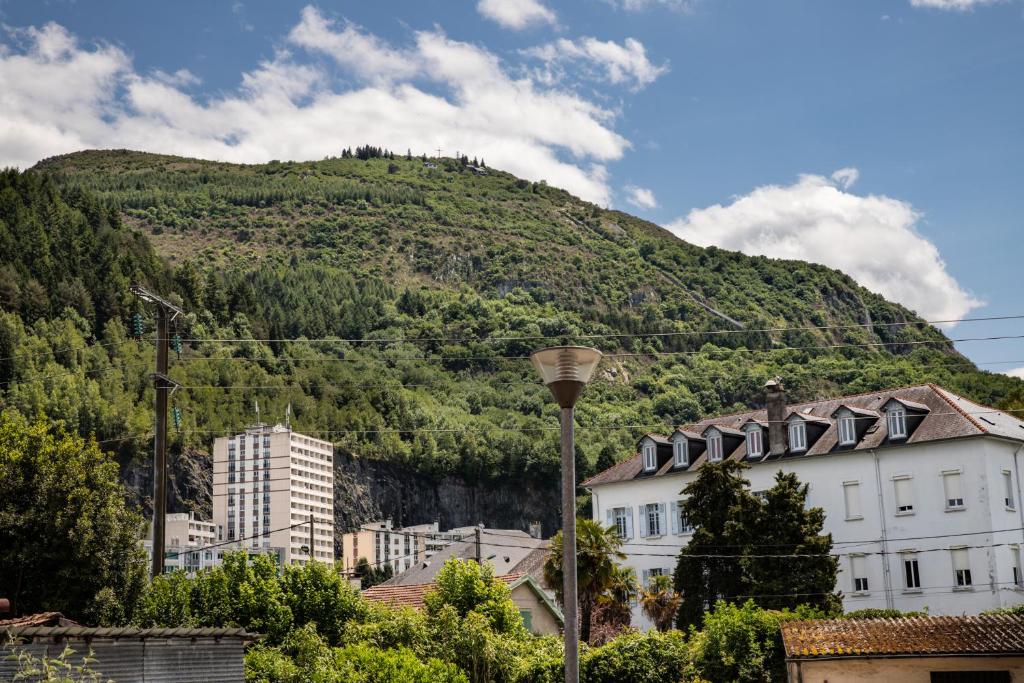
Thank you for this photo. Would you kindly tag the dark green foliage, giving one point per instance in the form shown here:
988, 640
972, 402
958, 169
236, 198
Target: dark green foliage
637, 658
68, 543
740, 643
741, 529
371, 575
881, 613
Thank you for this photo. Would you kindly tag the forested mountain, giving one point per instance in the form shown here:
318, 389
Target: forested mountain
399, 296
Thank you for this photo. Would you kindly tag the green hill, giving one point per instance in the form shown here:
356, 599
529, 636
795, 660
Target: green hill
470, 268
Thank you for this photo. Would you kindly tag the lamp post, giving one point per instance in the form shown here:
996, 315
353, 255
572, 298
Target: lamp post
566, 371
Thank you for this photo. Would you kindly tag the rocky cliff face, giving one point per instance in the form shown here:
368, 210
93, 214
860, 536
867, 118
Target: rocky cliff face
368, 490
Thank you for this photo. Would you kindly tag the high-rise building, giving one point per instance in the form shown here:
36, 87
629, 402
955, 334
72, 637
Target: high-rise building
267, 482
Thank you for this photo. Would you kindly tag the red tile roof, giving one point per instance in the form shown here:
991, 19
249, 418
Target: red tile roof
924, 636
413, 595
949, 416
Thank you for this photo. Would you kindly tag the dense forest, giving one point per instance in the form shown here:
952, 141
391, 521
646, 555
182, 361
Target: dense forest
391, 304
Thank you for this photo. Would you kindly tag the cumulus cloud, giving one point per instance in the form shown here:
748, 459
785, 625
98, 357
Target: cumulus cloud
872, 238
58, 96
958, 5
641, 197
846, 177
625, 64
1015, 372
516, 14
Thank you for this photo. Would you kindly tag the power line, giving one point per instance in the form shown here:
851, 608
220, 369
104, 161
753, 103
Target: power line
235, 540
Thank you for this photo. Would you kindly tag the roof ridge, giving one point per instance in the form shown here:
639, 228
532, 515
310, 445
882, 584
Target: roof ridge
941, 391
610, 469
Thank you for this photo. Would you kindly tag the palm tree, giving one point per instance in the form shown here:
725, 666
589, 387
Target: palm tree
597, 549
660, 602
616, 601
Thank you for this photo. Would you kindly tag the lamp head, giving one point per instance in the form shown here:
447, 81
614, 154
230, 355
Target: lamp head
566, 370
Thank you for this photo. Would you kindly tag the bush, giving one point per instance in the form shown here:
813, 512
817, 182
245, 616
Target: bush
637, 658
739, 643
881, 613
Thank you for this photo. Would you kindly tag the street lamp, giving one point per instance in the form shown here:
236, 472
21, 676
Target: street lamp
566, 370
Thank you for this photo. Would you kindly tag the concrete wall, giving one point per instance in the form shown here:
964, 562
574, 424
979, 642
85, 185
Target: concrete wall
980, 461
904, 670
543, 621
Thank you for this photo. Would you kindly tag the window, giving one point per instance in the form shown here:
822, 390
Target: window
953, 488
961, 567
649, 574
1018, 580
754, 442
911, 573
897, 422
680, 522
904, 495
1008, 487
858, 568
527, 616
797, 436
682, 453
851, 496
847, 431
622, 519
652, 518
715, 447
650, 458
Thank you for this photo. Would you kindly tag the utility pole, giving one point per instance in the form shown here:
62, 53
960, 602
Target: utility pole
476, 532
312, 540
165, 313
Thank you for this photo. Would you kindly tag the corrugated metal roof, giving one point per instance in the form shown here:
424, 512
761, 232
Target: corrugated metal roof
964, 635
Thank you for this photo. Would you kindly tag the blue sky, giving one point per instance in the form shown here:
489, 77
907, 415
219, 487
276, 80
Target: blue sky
881, 138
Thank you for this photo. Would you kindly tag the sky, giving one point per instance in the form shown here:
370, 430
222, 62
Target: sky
880, 137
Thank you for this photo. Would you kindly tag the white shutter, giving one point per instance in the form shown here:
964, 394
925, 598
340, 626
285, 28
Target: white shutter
643, 520
904, 495
951, 484
645, 577
673, 510
661, 518
629, 523
610, 514
960, 559
851, 494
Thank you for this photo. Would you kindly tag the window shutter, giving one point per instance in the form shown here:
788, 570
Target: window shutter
661, 518
643, 521
610, 514
673, 509
851, 493
645, 577
904, 497
629, 523
954, 490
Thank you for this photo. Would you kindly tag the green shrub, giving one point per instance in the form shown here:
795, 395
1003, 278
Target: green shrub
637, 658
739, 643
881, 613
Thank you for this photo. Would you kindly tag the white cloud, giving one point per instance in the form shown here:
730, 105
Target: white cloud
641, 5
625, 64
58, 97
1015, 372
641, 197
181, 78
958, 5
516, 14
846, 177
871, 238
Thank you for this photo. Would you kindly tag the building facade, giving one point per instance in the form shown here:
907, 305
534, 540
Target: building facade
920, 488
267, 484
381, 544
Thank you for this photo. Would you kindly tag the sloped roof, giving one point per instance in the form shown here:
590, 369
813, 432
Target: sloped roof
949, 416
926, 636
503, 548
41, 619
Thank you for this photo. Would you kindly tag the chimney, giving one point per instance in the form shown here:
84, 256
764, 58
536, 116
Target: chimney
775, 399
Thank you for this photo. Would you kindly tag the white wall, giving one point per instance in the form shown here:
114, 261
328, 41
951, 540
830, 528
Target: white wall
980, 460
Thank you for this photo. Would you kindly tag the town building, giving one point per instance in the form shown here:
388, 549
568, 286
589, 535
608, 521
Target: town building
188, 543
964, 649
267, 484
920, 488
541, 615
380, 544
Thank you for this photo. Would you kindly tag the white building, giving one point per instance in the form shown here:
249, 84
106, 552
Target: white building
380, 543
920, 488
267, 483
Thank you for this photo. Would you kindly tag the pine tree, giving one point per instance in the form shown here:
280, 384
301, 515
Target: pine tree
783, 524
712, 501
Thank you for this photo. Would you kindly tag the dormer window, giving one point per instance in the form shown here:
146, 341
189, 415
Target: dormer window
714, 447
681, 453
897, 422
650, 457
754, 446
797, 436
847, 430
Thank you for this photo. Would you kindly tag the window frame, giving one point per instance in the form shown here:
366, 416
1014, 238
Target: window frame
797, 435
1009, 497
652, 513
846, 422
896, 421
755, 434
911, 572
715, 447
962, 579
650, 457
681, 453
861, 584
902, 510
953, 506
846, 501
